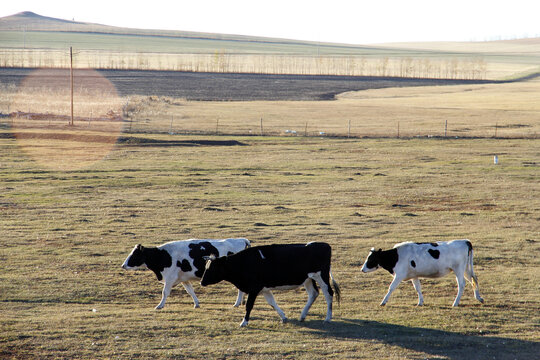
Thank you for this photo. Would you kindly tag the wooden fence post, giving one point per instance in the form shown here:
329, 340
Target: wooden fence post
71, 80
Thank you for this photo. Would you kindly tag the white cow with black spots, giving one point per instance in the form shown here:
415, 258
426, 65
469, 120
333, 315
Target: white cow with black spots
411, 261
182, 261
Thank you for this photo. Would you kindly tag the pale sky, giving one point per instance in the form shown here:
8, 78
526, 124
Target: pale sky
342, 21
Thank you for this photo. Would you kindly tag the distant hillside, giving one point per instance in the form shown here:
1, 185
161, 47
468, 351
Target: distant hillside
29, 21
32, 21
529, 46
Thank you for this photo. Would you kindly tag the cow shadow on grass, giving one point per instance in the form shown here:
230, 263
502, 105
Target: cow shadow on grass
436, 343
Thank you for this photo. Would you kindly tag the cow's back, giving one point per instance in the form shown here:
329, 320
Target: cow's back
433, 259
281, 265
203, 247
231, 246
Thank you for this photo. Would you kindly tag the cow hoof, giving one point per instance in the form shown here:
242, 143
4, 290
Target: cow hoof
159, 307
243, 324
382, 304
196, 306
284, 320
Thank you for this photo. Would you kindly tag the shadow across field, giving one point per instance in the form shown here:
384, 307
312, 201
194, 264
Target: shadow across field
124, 140
139, 141
434, 342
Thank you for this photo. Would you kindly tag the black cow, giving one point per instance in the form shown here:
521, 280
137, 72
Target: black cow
276, 267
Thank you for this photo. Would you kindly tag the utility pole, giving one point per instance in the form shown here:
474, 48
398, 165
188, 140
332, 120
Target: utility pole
71, 79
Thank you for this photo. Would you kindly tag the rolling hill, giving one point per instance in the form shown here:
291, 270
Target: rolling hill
30, 22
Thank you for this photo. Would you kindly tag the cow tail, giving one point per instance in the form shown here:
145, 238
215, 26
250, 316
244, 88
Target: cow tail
336, 287
470, 269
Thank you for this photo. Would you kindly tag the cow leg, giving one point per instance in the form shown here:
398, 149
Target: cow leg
239, 299
324, 283
164, 294
312, 295
249, 305
393, 285
418, 288
471, 277
270, 300
191, 292
461, 284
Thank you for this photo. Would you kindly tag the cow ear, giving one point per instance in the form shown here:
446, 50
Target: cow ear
380, 250
139, 247
372, 250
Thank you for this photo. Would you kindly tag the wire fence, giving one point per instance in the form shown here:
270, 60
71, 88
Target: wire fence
16, 122
331, 128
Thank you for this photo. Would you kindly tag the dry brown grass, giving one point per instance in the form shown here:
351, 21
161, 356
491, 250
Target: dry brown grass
505, 110
65, 234
488, 110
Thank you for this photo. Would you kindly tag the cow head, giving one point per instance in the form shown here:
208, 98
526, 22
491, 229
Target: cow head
214, 270
136, 259
372, 262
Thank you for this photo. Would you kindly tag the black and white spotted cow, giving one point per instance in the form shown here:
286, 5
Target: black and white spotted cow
262, 269
411, 261
182, 261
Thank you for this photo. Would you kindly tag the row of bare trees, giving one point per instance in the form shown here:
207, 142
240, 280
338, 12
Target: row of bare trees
436, 67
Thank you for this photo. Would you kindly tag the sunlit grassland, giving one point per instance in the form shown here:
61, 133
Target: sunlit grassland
66, 233
504, 110
488, 110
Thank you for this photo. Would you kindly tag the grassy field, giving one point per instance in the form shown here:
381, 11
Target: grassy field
488, 110
503, 110
66, 233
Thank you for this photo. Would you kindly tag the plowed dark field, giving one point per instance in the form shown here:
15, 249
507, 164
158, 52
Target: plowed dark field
239, 87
